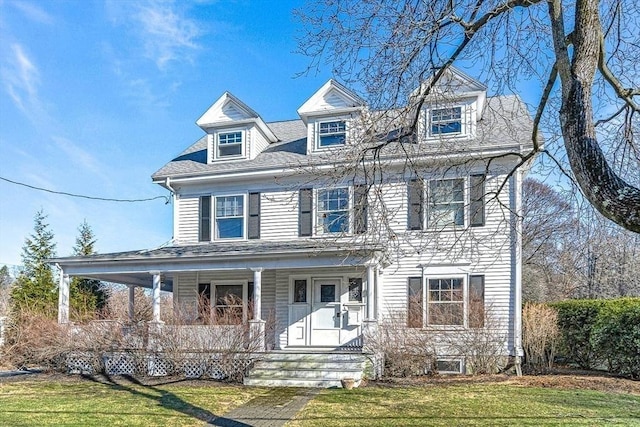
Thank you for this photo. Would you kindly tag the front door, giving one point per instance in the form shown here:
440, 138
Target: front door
326, 312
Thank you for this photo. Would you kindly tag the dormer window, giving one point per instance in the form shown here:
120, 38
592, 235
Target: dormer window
446, 121
230, 144
332, 133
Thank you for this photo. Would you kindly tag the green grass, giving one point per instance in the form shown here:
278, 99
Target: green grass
469, 405
120, 403
62, 401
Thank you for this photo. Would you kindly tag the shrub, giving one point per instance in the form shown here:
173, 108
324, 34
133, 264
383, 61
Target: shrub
616, 336
576, 319
540, 335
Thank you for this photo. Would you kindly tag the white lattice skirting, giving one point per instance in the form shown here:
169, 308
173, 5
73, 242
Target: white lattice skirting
218, 366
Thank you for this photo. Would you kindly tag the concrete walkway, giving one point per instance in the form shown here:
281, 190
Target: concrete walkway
271, 410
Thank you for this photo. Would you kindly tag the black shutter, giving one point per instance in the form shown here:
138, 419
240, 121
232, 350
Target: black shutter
476, 208
415, 308
415, 202
305, 201
360, 208
205, 219
476, 301
254, 216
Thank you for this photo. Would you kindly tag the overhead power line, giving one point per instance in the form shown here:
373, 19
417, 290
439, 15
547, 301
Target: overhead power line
82, 196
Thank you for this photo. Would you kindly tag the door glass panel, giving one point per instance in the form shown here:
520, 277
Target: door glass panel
355, 290
300, 291
327, 293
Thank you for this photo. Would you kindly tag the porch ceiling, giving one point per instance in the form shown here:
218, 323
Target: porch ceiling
134, 267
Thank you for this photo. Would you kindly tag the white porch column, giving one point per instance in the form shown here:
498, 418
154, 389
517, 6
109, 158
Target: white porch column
63, 298
257, 325
156, 297
132, 303
371, 293
257, 293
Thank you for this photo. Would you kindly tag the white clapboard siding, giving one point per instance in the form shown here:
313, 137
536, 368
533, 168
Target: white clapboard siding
258, 142
279, 215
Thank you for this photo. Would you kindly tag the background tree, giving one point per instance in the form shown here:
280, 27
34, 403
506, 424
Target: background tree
35, 287
87, 296
396, 51
571, 251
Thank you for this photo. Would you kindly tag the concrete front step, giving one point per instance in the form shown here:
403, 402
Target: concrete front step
298, 369
327, 374
294, 382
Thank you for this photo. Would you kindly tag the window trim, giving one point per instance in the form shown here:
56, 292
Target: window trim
318, 133
242, 144
444, 122
428, 302
319, 229
245, 297
214, 217
463, 204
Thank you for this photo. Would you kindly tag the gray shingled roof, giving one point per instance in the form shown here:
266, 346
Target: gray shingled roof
505, 122
306, 247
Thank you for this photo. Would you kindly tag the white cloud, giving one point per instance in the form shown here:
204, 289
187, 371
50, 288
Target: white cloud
79, 156
21, 78
165, 30
34, 13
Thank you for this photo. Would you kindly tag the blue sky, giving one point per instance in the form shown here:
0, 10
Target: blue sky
97, 95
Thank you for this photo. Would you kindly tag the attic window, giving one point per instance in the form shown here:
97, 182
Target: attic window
332, 133
446, 121
230, 144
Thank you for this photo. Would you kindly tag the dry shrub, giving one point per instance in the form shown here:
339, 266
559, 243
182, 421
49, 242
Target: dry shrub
35, 339
540, 336
482, 345
407, 349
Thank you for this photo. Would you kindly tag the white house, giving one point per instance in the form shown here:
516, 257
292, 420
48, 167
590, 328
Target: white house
333, 226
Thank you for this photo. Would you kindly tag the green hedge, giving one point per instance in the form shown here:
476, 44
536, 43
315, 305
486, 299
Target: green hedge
596, 332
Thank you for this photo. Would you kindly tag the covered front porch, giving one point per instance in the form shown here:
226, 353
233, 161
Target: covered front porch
307, 295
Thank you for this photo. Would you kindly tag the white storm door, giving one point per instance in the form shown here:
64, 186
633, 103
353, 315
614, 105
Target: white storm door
326, 314
299, 309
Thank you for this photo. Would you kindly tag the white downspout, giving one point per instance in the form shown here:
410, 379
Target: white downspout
517, 265
175, 213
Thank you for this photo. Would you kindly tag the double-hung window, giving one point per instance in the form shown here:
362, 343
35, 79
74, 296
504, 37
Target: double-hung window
445, 302
446, 121
229, 305
332, 133
229, 217
333, 210
229, 144
446, 202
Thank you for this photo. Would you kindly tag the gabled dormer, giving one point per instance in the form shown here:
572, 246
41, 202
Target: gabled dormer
330, 116
234, 130
452, 108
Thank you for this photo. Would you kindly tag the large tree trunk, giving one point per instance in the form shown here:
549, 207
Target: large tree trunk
610, 194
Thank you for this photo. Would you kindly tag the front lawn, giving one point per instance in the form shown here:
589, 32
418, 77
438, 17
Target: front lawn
72, 401
60, 400
489, 403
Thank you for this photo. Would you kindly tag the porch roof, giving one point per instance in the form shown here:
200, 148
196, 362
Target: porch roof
134, 267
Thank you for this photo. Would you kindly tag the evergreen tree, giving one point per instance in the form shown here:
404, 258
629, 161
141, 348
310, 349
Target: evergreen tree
86, 295
35, 287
